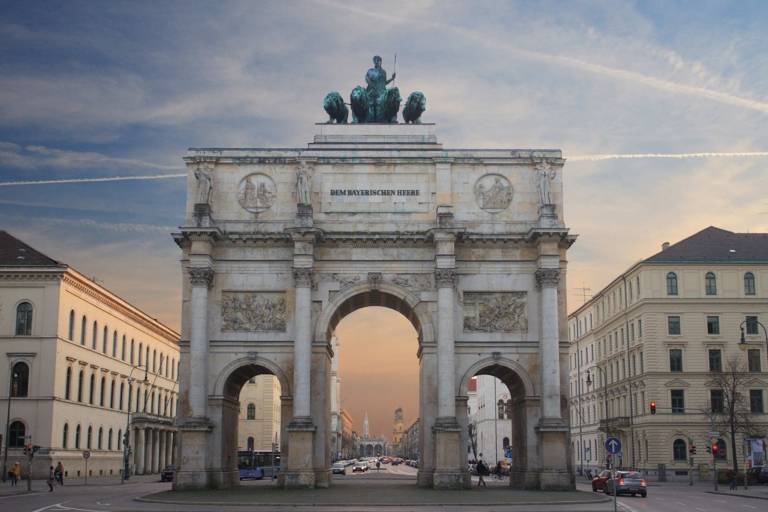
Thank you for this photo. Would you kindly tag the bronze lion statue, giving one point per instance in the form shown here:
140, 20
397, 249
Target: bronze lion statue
414, 107
337, 110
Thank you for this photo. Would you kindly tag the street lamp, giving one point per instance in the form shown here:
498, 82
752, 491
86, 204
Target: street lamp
127, 434
13, 379
743, 342
605, 394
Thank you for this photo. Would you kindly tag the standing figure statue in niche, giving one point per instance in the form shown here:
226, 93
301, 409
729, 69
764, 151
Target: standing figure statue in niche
545, 174
379, 105
303, 185
204, 183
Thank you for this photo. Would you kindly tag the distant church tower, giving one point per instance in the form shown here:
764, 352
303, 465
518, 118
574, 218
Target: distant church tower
366, 433
397, 432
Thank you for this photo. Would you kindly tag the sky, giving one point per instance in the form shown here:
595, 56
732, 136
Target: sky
660, 108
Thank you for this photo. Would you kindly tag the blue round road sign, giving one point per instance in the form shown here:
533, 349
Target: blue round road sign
613, 445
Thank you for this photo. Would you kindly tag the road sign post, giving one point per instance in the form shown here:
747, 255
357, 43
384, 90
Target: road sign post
86, 456
613, 446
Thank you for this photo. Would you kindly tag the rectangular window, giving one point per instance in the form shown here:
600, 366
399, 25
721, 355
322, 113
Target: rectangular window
631, 332
641, 363
678, 401
675, 360
715, 360
639, 328
756, 401
716, 400
753, 359
713, 325
751, 325
673, 325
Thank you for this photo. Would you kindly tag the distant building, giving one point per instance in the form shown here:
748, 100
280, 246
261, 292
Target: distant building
398, 430
86, 365
348, 446
660, 332
410, 443
336, 420
491, 418
259, 414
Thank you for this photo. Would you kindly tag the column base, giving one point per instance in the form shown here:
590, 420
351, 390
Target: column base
193, 448
555, 473
298, 471
449, 471
523, 479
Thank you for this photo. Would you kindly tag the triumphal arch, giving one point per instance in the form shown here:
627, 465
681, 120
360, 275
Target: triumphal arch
279, 245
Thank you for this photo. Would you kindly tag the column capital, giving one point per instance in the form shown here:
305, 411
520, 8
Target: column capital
445, 277
302, 277
201, 276
547, 277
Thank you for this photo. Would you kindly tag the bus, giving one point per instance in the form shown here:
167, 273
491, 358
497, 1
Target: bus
253, 465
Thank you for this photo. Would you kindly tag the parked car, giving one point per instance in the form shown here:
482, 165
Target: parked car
360, 466
166, 475
627, 482
339, 468
598, 483
758, 475
396, 462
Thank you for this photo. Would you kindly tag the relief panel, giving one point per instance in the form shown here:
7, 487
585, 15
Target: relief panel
495, 312
253, 311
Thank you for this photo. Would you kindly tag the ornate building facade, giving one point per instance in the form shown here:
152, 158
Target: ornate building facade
83, 367
666, 331
259, 424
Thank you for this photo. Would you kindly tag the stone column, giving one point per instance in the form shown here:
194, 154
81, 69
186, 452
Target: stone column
299, 465
163, 462
201, 279
155, 450
139, 451
549, 347
169, 447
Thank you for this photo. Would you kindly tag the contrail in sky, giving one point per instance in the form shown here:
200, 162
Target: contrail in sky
553, 58
575, 158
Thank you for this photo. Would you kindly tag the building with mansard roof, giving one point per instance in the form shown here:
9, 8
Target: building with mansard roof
85, 366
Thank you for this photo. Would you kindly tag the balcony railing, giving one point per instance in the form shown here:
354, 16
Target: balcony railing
616, 423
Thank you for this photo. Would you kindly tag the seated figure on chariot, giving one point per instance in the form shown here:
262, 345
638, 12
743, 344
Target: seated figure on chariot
375, 103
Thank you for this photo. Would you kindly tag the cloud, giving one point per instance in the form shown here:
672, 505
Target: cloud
635, 156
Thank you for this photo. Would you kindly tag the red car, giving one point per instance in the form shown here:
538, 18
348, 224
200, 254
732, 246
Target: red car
598, 483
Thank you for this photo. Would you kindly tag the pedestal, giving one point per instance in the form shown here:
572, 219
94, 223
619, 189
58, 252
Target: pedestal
449, 470
555, 473
193, 448
298, 471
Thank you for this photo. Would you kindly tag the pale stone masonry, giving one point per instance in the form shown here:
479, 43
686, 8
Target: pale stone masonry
79, 355
657, 332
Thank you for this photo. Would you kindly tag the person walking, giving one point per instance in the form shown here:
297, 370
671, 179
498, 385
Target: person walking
497, 470
482, 470
50, 479
15, 474
59, 473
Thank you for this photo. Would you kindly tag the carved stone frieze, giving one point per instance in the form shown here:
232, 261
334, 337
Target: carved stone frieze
344, 280
201, 276
445, 277
415, 282
547, 277
374, 279
495, 312
253, 311
302, 277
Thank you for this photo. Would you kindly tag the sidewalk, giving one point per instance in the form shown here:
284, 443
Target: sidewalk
94, 481
759, 492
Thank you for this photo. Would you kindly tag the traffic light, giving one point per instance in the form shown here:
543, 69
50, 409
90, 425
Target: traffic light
714, 449
693, 450
709, 449
653, 406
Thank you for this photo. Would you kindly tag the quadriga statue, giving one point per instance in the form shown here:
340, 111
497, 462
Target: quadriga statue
376, 103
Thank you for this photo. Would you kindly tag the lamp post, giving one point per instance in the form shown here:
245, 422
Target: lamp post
605, 395
743, 342
127, 434
12, 380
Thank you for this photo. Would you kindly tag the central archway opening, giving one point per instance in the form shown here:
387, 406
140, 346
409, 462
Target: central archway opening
375, 374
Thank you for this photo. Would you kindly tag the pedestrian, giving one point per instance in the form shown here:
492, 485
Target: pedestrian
733, 485
498, 470
50, 479
482, 470
15, 473
59, 473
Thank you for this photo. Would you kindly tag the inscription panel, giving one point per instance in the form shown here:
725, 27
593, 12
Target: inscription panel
375, 193
495, 311
253, 311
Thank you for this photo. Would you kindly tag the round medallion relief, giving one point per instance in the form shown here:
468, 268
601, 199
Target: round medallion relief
256, 192
493, 193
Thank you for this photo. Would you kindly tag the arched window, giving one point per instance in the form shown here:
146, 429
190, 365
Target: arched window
80, 383
671, 283
251, 412
119, 439
250, 444
114, 344
105, 340
130, 397
20, 380
152, 404
68, 384
122, 352
83, 323
24, 319
679, 450
89, 439
99, 439
141, 352
65, 436
749, 283
112, 394
710, 284
71, 328
161, 364
154, 361
505, 443
91, 389
77, 437
103, 389
146, 360
133, 343
722, 450
16, 435
109, 440
173, 369
122, 391
94, 335
501, 408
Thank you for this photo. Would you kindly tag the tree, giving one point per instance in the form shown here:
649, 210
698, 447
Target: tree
733, 415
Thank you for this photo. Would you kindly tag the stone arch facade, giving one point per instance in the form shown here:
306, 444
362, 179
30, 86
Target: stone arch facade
469, 245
